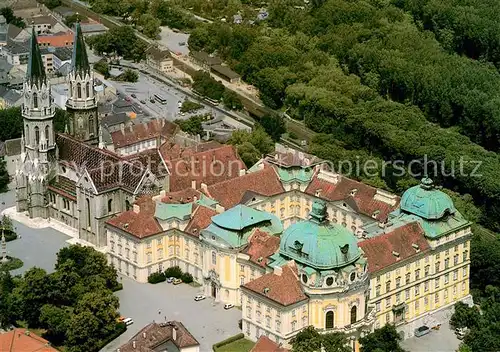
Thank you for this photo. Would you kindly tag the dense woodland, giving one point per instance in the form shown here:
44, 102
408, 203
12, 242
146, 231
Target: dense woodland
378, 85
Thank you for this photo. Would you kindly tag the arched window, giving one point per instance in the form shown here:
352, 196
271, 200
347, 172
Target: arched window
47, 136
37, 135
87, 90
88, 212
127, 205
79, 90
354, 311
110, 205
35, 100
91, 123
214, 257
329, 320
27, 134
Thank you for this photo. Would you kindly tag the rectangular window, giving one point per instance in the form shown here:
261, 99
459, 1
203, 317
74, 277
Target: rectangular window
455, 275
388, 302
454, 289
387, 286
278, 326
464, 272
447, 252
407, 279
445, 294
437, 267
242, 280
426, 286
148, 245
377, 306
387, 317
465, 256
436, 283
417, 290
417, 304
377, 291
463, 286
407, 294
446, 278
398, 297
417, 274
446, 263
294, 313
150, 259
398, 282
455, 259
438, 256
242, 267
436, 298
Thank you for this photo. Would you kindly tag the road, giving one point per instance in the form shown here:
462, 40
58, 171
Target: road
147, 87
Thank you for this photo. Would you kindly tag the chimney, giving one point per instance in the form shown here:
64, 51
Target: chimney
133, 344
143, 335
242, 172
193, 184
131, 128
137, 208
278, 270
174, 333
204, 187
122, 128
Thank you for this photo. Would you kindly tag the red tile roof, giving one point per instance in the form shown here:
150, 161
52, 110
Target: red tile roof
154, 335
363, 198
261, 246
143, 131
200, 219
22, 340
141, 224
265, 344
283, 288
229, 193
380, 250
171, 151
181, 197
56, 40
208, 167
149, 159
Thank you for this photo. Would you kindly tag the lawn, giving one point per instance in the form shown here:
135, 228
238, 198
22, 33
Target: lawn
241, 345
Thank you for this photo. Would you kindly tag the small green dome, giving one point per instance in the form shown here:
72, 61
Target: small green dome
318, 244
426, 201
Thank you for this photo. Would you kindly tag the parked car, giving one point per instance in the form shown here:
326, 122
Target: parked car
170, 279
143, 102
228, 306
128, 321
177, 281
133, 95
152, 101
421, 331
121, 319
199, 298
182, 43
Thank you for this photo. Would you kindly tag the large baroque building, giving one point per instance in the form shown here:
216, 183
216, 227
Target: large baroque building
343, 256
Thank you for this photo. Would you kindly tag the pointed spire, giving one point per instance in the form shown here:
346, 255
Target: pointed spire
36, 71
80, 60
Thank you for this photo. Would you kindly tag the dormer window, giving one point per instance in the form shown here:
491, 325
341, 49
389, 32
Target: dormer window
317, 193
304, 278
353, 192
375, 214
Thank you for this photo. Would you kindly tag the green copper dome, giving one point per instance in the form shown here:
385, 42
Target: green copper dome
318, 244
426, 201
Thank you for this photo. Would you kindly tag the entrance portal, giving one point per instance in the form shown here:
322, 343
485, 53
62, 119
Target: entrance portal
214, 290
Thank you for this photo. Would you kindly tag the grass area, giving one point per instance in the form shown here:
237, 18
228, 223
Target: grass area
12, 264
241, 345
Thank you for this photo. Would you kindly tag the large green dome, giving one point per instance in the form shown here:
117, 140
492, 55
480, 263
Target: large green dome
426, 201
319, 244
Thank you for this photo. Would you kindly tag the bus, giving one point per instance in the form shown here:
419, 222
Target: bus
160, 99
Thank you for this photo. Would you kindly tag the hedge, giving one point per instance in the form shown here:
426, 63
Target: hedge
187, 278
228, 341
120, 328
155, 278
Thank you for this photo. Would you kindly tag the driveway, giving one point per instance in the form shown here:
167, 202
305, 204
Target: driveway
442, 340
208, 322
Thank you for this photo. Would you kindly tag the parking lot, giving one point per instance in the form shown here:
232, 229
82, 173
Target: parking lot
442, 340
208, 322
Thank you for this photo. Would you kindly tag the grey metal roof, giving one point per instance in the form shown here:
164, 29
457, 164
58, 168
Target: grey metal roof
13, 147
93, 28
18, 47
115, 119
12, 97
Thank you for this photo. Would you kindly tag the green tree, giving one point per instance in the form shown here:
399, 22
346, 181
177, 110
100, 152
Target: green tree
150, 25
309, 339
11, 123
52, 4
231, 100
72, 19
56, 321
204, 84
8, 13
383, 339
252, 145
274, 125
33, 292
465, 316
192, 125
4, 176
129, 75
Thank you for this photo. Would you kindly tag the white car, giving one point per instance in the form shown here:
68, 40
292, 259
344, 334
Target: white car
199, 298
128, 321
228, 306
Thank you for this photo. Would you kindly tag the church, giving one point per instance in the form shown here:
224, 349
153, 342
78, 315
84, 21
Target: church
70, 176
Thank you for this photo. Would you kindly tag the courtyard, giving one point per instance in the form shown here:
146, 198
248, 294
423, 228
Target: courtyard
442, 340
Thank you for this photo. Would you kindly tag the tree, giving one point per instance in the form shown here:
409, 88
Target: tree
72, 19
33, 292
56, 321
150, 25
51, 4
173, 271
465, 316
204, 84
383, 339
274, 125
128, 75
11, 123
309, 339
8, 13
4, 176
251, 145
231, 100
193, 125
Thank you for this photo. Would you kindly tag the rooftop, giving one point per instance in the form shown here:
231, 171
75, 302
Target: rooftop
261, 246
156, 334
281, 286
265, 344
143, 131
56, 40
23, 340
206, 58
225, 71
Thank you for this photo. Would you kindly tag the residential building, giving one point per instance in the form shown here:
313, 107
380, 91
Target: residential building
23, 340
160, 60
226, 73
204, 60
166, 336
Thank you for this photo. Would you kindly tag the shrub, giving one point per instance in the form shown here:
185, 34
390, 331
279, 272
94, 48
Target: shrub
228, 341
118, 287
187, 278
12, 264
174, 271
155, 278
10, 235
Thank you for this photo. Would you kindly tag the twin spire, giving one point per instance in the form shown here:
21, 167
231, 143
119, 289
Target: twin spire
36, 72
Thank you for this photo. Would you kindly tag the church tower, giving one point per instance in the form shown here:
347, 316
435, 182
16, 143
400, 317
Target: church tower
38, 147
82, 102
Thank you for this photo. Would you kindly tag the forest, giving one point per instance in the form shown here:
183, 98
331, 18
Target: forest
377, 84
